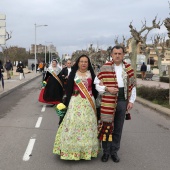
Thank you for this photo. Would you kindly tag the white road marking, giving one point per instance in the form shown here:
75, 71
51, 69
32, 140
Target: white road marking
38, 122
29, 149
43, 108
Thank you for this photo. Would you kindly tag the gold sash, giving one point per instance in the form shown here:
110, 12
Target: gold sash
84, 90
56, 77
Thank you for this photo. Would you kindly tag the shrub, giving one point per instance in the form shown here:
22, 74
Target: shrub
154, 67
154, 94
138, 75
164, 79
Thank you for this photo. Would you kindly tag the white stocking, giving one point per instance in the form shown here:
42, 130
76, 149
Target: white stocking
20, 75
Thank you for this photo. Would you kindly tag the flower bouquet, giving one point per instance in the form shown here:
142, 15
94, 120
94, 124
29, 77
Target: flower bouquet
60, 109
43, 84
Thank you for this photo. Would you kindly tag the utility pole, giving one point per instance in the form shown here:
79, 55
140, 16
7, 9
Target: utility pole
2, 29
35, 49
3, 33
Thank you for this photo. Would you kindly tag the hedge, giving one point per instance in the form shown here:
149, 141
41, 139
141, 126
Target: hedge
164, 79
154, 94
161, 79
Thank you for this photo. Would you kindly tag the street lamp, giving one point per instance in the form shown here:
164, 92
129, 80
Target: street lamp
36, 45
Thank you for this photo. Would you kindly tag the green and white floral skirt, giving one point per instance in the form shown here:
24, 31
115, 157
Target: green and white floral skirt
76, 137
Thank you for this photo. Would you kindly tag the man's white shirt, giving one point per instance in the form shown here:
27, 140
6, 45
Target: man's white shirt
118, 70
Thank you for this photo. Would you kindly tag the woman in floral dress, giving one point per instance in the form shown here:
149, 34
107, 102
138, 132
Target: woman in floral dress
76, 137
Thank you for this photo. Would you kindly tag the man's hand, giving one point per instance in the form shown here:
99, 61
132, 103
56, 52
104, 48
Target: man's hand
112, 90
129, 106
101, 83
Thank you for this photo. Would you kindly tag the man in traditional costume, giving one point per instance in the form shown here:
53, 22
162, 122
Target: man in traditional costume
116, 83
65, 73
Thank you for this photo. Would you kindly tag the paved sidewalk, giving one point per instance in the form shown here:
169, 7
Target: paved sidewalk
14, 82
150, 83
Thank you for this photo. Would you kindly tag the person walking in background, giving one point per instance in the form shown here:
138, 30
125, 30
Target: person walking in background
37, 68
32, 66
143, 70
20, 69
41, 67
1, 67
1, 75
65, 73
9, 68
44, 70
76, 137
116, 83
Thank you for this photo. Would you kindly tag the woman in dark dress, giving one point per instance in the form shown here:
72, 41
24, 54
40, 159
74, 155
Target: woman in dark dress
52, 93
1, 75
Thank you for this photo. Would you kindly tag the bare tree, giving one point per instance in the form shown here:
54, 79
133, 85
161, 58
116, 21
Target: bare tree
109, 53
9, 35
138, 38
167, 25
116, 40
4, 48
122, 43
159, 41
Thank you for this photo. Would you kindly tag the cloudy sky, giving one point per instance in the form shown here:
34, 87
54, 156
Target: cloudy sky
74, 24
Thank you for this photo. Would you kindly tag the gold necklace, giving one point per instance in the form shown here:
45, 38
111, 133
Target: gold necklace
83, 71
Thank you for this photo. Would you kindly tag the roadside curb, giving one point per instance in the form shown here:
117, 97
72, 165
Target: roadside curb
14, 88
153, 106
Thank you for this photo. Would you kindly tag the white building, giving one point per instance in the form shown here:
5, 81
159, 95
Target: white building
66, 57
41, 49
51, 48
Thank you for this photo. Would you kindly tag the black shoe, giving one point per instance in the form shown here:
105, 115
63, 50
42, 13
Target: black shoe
105, 158
115, 157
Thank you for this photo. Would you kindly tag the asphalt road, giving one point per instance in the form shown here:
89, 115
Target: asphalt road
28, 129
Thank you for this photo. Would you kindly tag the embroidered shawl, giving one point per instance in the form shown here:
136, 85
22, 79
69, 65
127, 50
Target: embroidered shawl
108, 77
57, 70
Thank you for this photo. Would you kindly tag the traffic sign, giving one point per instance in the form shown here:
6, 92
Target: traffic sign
2, 23
2, 40
2, 31
2, 17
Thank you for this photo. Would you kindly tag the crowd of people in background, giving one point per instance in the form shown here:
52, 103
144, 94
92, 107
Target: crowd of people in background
8, 68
